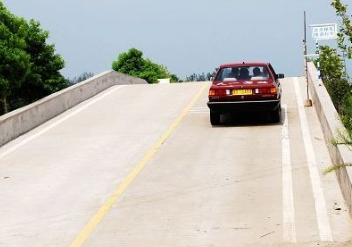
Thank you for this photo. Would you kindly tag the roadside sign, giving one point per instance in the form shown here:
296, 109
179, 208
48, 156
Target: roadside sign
324, 31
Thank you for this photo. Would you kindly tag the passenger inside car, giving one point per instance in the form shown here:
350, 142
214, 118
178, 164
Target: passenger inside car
265, 73
256, 72
244, 74
233, 73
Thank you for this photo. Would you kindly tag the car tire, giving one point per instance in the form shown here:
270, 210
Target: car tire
276, 114
214, 118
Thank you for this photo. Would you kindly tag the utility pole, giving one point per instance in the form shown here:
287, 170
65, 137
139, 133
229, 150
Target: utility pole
308, 102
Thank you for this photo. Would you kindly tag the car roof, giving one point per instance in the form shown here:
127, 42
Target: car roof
239, 64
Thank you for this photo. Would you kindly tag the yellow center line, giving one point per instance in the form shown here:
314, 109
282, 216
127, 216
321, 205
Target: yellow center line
105, 208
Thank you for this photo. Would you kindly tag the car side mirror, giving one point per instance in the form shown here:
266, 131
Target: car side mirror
280, 76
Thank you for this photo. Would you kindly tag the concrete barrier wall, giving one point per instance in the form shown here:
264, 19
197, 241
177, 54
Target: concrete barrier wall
332, 128
22, 120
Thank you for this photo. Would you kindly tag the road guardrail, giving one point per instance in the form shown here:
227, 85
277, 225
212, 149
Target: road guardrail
22, 120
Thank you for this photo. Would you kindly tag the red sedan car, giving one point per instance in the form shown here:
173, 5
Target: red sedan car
245, 87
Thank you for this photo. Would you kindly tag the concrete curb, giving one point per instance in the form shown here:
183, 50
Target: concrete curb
22, 120
332, 126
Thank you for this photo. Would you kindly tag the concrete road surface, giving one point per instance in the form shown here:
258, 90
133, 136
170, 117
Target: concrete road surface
142, 166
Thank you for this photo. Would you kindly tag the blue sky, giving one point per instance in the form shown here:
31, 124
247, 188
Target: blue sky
187, 36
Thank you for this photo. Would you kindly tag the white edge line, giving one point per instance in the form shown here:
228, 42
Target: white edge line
289, 226
320, 204
53, 125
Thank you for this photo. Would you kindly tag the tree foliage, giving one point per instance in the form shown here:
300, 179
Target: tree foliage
334, 76
335, 80
44, 77
346, 113
29, 67
200, 77
345, 34
133, 63
331, 63
84, 76
14, 61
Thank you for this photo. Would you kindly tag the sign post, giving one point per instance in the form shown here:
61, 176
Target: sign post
308, 102
327, 31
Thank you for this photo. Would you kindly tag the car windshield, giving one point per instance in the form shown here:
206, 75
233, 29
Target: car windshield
243, 73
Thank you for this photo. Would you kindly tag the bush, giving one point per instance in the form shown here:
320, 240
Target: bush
338, 89
346, 113
133, 63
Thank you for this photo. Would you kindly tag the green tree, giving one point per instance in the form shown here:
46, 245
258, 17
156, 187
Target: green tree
174, 78
345, 34
44, 77
84, 76
29, 67
335, 79
346, 114
333, 76
151, 72
200, 77
130, 62
133, 63
331, 63
14, 61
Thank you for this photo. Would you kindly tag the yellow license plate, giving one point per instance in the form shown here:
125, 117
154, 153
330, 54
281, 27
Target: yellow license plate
242, 92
